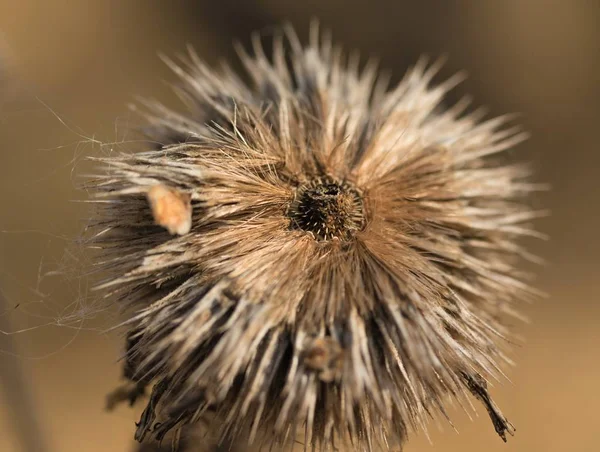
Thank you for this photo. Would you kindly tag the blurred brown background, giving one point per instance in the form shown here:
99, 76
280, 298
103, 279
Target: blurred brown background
67, 71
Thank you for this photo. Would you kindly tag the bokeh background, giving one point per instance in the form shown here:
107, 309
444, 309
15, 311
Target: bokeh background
68, 69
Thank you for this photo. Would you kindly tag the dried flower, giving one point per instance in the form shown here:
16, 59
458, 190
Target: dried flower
349, 261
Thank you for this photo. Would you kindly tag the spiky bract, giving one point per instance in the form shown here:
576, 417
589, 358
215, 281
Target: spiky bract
350, 258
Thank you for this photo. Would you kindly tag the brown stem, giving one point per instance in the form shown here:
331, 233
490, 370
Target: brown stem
21, 410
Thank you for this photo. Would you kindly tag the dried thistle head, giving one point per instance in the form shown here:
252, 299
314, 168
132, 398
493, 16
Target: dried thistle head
348, 262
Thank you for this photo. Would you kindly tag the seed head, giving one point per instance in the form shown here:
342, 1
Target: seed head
328, 209
342, 257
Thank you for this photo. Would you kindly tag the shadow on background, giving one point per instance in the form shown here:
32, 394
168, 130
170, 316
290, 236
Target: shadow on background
68, 69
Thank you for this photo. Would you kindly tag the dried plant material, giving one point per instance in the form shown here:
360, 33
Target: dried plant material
478, 387
352, 258
129, 392
171, 209
324, 355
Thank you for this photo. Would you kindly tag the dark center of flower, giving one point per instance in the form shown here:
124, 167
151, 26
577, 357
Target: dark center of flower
327, 209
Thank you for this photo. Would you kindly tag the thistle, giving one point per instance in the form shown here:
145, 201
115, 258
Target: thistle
312, 256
